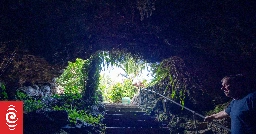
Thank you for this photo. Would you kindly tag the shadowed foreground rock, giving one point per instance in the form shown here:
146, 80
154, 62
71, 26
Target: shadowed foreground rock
55, 122
44, 122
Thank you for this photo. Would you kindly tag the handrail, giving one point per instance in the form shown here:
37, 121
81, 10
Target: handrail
194, 113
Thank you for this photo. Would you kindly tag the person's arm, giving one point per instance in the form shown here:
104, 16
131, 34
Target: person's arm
219, 115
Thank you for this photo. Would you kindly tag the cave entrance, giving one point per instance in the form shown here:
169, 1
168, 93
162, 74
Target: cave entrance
122, 75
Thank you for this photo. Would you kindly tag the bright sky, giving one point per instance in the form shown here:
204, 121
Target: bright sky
115, 74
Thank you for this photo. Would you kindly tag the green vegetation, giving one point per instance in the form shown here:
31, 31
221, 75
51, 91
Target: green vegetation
120, 90
73, 78
169, 74
73, 81
3, 94
82, 80
172, 73
92, 93
218, 108
132, 68
30, 103
83, 115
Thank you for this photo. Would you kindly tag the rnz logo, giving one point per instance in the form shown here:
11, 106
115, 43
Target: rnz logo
11, 117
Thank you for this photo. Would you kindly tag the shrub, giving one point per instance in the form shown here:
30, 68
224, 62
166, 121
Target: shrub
73, 78
120, 90
30, 103
3, 94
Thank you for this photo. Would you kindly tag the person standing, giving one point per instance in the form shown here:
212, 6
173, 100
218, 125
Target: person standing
242, 109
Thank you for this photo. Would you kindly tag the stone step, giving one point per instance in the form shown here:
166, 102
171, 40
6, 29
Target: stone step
123, 130
118, 113
130, 119
119, 105
131, 123
122, 107
127, 116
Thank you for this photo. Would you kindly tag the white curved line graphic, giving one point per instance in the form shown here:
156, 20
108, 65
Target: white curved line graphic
11, 118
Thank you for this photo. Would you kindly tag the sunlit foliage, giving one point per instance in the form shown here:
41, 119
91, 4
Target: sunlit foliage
132, 67
3, 94
73, 78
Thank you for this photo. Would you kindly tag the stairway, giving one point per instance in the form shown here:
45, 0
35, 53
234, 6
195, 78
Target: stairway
130, 119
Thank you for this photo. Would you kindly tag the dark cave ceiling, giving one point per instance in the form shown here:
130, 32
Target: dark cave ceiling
155, 29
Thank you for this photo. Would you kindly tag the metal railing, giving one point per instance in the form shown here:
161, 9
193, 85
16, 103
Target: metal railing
192, 111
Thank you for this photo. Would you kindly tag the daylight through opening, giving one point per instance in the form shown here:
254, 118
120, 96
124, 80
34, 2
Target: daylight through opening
123, 78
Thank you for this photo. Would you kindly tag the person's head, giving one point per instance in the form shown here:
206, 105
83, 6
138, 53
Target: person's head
234, 86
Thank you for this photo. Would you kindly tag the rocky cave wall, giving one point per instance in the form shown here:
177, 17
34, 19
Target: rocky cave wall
215, 38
